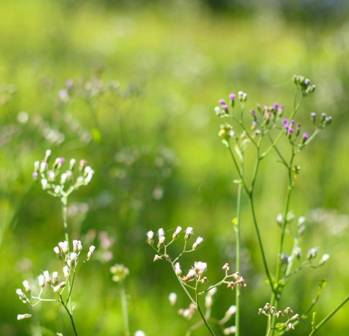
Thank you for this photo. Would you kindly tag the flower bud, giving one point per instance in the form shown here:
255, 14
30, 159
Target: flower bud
172, 297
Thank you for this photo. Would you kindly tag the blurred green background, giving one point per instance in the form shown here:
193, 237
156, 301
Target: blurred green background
146, 77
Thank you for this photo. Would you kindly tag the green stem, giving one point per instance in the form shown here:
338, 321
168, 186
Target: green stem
64, 201
237, 258
276, 295
71, 318
124, 305
328, 317
194, 301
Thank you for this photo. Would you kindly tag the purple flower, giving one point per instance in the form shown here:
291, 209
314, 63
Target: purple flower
232, 97
285, 123
305, 137
222, 102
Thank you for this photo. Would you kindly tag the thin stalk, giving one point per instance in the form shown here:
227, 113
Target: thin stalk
124, 305
276, 295
237, 259
328, 317
64, 201
194, 301
260, 243
71, 318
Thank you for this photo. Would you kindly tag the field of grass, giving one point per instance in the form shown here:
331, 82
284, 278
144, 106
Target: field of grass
145, 83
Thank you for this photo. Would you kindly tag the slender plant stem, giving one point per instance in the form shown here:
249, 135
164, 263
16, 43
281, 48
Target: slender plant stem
124, 305
275, 298
328, 317
250, 193
259, 237
237, 259
194, 301
71, 318
64, 201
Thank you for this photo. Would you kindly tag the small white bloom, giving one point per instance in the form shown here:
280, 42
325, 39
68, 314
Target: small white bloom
139, 333
161, 236
230, 330
324, 259
178, 269
26, 286
279, 219
197, 242
177, 232
56, 250
51, 175
200, 267
59, 287
64, 246
66, 271
43, 166
23, 316
90, 252
44, 184
54, 277
47, 277
20, 293
150, 237
188, 232
41, 280
77, 245
172, 297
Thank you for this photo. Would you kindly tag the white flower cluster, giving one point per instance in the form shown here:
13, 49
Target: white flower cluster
164, 242
290, 318
53, 283
58, 182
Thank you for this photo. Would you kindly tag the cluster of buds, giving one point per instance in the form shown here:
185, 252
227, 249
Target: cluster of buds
61, 183
293, 130
160, 242
223, 108
322, 120
291, 318
304, 84
54, 281
226, 132
189, 312
232, 279
196, 272
119, 272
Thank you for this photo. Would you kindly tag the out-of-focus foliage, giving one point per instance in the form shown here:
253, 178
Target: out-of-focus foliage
138, 105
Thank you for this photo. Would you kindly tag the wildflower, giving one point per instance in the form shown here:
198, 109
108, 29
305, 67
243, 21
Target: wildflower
59, 287
64, 246
189, 312
119, 272
23, 316
305, 137
228, 314
232, 99
242, 96
313, 116
66, 271
226, 132
156, 257
197, 242
41, 280
230, 330
26, 286
312, 253
172, 297
226, 267
176, 232
200, 267
150, 237
77, 245
178, 269
324, 259
139, 333
188, 232
21, 295
209, 297
90, 252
